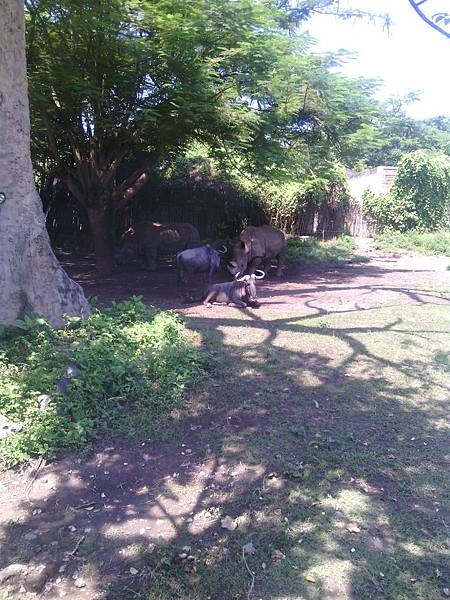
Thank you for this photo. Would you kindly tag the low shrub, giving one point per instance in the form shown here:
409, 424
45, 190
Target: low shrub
334, 251
428, 242
378, 209
133, 365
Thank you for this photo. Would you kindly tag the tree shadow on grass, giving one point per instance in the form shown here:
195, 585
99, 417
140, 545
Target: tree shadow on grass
321, 437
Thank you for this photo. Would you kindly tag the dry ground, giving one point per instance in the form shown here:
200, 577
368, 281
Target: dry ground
322, 435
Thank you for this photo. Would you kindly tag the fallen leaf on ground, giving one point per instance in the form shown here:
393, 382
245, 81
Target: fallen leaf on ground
310, 578
353, 528
194, 578
228, 523
278, 555
133, 571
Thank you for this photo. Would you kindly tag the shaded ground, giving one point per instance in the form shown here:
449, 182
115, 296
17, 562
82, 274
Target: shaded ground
323, 436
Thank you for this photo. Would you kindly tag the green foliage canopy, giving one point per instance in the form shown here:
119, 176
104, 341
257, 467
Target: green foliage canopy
141, 79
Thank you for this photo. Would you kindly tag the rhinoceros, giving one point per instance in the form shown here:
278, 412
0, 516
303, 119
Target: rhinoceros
146, 240
241, 292
256, 248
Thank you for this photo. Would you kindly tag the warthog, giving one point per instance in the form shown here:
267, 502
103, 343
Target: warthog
241, 292
256, 248
146, 240
204, 260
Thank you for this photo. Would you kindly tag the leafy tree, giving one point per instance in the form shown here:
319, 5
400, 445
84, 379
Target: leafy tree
112, 78
116, 79
397, 134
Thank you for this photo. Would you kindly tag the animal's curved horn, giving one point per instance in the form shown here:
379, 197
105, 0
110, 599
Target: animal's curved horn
259, 276
237, 275
224, 251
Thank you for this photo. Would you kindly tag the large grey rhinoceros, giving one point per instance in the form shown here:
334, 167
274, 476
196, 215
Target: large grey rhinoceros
147, 240
256, 248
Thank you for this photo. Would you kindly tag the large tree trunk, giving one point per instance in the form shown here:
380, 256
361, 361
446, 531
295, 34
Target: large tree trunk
102, 229
31, 279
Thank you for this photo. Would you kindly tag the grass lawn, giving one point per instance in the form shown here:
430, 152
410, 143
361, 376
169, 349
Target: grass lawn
319, 428
428, 242
342, 442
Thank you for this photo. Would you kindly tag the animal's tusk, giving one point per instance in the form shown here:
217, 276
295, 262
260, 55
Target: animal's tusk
237, 275
224, 251
260, 276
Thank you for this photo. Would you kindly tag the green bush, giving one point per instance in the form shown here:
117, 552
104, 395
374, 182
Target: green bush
134, 362
420, 192
419, 197
429, 242
334, 251
377, 208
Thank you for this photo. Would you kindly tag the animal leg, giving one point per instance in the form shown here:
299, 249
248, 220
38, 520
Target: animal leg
207, 301
150, 258
255, 264
185, 290
280, 264
239, 304
266, 265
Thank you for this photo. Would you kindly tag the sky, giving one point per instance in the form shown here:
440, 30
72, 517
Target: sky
411, 56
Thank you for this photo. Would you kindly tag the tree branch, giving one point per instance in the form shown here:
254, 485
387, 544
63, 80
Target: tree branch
136, 181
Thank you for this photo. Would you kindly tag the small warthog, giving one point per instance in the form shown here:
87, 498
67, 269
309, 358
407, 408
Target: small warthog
203, 260
241, 292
